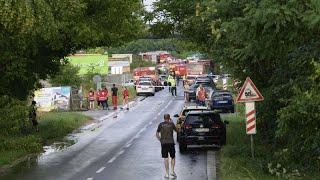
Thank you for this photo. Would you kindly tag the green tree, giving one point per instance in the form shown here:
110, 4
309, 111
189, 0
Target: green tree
275, 43
67, 76
36, 35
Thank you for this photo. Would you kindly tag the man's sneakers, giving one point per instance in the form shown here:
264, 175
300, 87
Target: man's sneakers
173, 174
166, 176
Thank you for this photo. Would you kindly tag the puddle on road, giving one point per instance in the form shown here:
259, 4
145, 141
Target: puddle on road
29, 163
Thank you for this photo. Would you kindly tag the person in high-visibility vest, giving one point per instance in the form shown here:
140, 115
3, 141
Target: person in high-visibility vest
172, 81
98, 98
103, 98
125, 94
91, 99
105, 90
202, 96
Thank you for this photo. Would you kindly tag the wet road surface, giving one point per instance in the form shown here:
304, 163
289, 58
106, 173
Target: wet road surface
122, 148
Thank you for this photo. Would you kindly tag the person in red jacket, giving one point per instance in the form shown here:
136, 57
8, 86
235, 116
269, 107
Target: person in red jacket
125, 94
202, 97
98, 98
91, 99
105, 98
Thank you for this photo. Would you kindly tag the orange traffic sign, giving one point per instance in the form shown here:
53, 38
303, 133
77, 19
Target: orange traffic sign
249, 92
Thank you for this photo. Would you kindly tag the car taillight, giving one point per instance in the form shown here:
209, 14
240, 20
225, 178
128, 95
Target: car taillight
187, 126
216, 126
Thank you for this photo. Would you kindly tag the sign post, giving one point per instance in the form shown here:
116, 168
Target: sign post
97, 80
249, 94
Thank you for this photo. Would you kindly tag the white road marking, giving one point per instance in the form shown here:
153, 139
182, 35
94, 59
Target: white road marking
128, 145
100, 170
121, 152
112, 159
136, 136
90, 178
151, 122
211, 165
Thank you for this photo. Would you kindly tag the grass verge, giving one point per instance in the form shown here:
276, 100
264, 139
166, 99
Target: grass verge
53, 126
236, 161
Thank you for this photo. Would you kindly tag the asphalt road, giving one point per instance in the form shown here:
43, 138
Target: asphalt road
122, 148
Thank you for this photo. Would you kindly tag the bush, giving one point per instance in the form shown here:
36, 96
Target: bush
298, 128
67, 76
13, 116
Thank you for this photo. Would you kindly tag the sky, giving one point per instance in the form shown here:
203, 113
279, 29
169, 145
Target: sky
148, 4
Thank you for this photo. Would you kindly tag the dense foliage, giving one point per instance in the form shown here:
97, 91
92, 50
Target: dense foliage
67, 76
36, 35
276, 43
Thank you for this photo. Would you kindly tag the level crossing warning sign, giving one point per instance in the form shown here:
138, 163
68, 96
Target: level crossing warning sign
249, 92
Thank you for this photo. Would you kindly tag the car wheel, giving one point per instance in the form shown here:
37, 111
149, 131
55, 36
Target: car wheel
152, 94
138, 94
182, 147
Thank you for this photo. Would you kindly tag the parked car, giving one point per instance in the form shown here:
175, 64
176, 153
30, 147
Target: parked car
202, 128
190, 79
222, 100
145, 88
215, 78
185, 110
162, 79
129, 82
145, 78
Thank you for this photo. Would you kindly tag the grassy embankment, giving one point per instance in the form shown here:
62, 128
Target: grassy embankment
53, 126
236, 161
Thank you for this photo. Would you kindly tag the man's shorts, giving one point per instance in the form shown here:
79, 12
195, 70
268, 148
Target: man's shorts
168, 149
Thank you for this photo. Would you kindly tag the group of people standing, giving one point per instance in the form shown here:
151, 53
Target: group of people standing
102, 95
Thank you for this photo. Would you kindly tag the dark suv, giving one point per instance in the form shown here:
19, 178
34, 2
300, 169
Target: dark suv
202, 128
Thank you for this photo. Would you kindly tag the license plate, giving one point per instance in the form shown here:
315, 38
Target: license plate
200, 138
222, 101
144, 88
202, 130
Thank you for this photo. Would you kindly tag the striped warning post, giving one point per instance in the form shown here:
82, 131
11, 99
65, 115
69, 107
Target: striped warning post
225, 84
250, 118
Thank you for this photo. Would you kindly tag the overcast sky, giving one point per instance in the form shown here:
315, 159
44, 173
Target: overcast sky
148, 4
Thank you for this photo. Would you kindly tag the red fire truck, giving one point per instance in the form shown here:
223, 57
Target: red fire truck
144, 72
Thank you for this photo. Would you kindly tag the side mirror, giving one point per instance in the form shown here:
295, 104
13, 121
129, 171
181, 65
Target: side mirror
176, 115
226, 122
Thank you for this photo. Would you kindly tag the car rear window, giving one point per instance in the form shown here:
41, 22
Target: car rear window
145, 83
202, 118
222, 95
